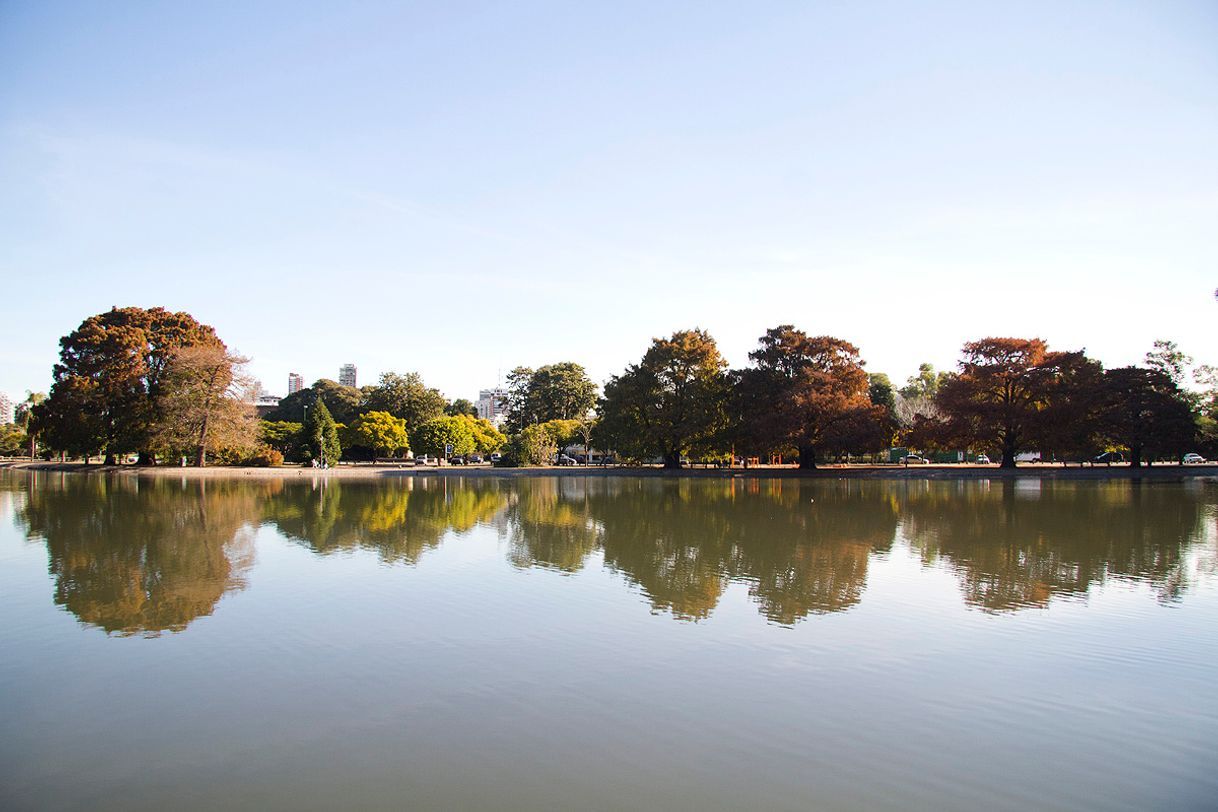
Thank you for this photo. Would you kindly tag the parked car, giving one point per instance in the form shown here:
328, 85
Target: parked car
1193, 459
982, 459
1108, 458
423, 459
496, 457
456, 460
914, 459
474, 459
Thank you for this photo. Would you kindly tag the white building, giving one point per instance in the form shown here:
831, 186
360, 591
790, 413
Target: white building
295, 383
7, 410
492, 405
346, 375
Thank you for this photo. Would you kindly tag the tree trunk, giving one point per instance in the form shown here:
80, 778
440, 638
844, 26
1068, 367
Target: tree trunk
146, 458
201, 456
1008, 454
110, 459
1135, 456
807, 457
672, 459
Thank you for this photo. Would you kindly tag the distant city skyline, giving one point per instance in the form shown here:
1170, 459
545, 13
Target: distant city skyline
461, 191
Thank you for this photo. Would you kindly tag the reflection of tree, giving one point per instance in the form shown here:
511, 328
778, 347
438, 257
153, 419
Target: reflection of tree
550, 524
804, 546
142, 557
399, 520
1017, 544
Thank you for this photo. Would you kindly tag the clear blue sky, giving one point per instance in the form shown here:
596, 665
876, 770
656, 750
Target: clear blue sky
460, 188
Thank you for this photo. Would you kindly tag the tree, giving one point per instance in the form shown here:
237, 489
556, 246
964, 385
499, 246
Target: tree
562, 432
487, 438
25, 419
12, 440
809, 394
671, 402
559, 391
1167, 358
461, 406
321, 436
435, 435
923, 385
380, 431
283, 436
106, 393
344, 402
999, 395
407, 397
1142, 410
533, 445
202, 407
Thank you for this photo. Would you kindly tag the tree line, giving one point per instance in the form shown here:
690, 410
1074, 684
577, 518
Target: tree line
160, 385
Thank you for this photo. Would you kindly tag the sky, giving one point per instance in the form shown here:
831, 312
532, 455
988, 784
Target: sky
460, 188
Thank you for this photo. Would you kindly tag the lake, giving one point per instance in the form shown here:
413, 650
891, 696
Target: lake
607, 643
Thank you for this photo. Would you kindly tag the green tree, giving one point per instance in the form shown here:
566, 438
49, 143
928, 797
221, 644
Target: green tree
1143, 411
562, 432
107, 384
380, 431
283, 436
561, 391
669, 403
12, 440
923, 385
487, 438
1167, 358
344, 402
533, 445
25, 419
321, 436
461, 406
433, 436
407, 397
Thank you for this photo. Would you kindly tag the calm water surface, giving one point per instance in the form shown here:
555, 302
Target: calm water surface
562, 643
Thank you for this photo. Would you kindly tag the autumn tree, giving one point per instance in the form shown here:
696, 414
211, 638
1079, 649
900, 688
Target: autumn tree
106, 391
203, 406
487, 438
407, 397
380, 431
1001, 393
671, 402
809, 394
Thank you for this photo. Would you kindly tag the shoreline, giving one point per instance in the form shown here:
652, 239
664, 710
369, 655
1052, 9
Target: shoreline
381, 472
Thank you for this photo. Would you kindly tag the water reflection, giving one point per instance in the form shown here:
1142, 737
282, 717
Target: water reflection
145, 557
140, 560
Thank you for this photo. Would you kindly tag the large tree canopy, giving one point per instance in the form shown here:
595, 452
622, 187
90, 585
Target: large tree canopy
407, 397
807, 393
106, 394
670, 403
1001, 392
561, 391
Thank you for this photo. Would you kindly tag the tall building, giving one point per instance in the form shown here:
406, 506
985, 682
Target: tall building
492, 405
346, 375
7, 410
295, 383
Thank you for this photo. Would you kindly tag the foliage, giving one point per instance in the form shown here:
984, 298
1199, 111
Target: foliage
344, 402
669, 403
380, 431
1142, 410
321, 436
265, 457
809, 394
487, 438
1167, 359
432, 437
559, 391
202, 404
285, 437
407, 397
533, 445
107, 390
12, 440
461, 406
923, 385
1001, 394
